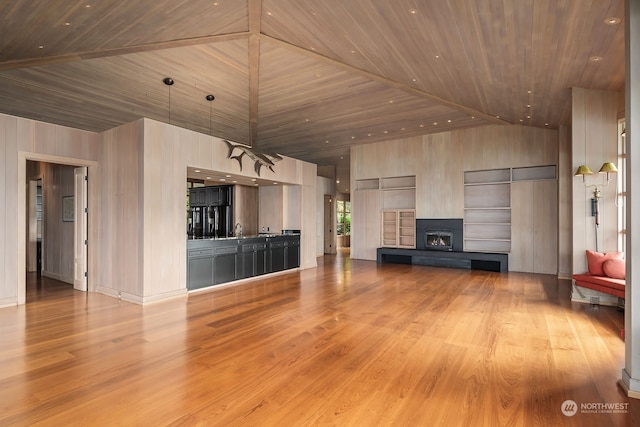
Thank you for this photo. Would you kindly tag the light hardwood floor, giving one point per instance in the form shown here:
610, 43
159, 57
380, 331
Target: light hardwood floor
351, 343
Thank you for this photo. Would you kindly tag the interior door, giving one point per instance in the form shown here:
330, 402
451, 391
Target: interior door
329, 225
80, 235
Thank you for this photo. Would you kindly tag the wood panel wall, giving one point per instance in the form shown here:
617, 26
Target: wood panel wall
148, 211
20, 140
245, 208
439, 162
137, 174
594, 140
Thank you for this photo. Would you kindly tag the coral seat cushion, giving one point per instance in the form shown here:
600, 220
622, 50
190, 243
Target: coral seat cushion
614, 268
596, 259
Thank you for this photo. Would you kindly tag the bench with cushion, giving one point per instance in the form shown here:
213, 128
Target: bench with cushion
606, 273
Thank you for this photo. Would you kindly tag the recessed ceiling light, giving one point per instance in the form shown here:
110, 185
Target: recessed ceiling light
222, 179
228, 176
612, 21
269, 13
521, 120
386, 131
197, 170
421, 125
437, 56
353, 137
414, 80
401, 128
235, 181
275, 183
41, 47
528, 117
208, 177
87, 6
306, 120
341, 158
66, 24
391, 101
595, 59
353, 51
253, 179
435, 123
529, 92
449, 121
413, 11
337, 181
368, 134
546, 124
326, 142
528, 105
497, 117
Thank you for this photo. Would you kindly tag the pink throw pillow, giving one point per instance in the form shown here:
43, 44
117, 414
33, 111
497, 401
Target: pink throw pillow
596, 259
614, 268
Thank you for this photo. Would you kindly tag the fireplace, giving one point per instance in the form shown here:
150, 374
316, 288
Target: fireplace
439, 234
439, 240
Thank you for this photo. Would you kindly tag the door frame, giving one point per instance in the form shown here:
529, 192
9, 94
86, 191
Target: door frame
93, 215
329, 218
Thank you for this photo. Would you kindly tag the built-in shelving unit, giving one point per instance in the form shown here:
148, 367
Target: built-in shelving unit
487, 205
398, 192
487, 210
399, 228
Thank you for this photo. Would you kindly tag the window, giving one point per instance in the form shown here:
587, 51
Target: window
344, 218
621, 197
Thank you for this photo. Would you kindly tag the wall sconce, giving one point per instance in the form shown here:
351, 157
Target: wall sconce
607, 168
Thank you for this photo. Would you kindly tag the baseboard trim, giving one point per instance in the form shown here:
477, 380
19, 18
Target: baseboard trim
141, 300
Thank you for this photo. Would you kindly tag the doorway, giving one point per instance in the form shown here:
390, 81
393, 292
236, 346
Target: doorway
56, 223
329, 225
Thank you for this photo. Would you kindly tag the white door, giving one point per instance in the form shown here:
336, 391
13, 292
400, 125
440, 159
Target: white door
80, 237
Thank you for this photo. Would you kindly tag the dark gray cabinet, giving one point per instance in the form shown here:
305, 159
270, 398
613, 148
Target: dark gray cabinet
198, 196
225, 263
254, 254
216, 261
292, 252
211, 196
199, 268
276, 254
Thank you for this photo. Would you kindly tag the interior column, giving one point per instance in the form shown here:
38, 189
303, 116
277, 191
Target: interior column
631, 371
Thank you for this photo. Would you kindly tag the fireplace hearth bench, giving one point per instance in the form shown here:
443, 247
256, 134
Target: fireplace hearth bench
454, 259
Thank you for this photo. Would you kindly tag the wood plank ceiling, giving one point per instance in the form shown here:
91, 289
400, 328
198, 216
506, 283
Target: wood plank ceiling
304, 78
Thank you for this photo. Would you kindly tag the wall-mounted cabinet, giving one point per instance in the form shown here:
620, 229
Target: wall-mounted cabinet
398, 228
211, 196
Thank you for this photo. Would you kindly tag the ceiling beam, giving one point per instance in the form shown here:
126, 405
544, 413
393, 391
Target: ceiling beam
388, 82
103, 53
255, 17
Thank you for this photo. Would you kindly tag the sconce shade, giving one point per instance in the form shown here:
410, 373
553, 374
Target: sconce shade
608, 167
583, 170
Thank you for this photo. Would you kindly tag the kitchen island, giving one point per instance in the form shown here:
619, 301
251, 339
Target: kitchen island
214, 261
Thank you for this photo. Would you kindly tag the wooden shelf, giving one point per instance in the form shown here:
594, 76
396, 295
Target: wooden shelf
487, 210
399, 228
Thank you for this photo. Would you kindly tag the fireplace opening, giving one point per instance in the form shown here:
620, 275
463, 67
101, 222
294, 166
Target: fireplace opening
440, 240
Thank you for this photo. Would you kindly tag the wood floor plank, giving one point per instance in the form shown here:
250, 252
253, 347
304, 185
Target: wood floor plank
349, 343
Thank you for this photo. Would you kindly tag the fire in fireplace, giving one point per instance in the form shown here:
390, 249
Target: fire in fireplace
438, 240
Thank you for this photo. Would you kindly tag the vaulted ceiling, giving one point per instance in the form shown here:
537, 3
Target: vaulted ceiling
307, 78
